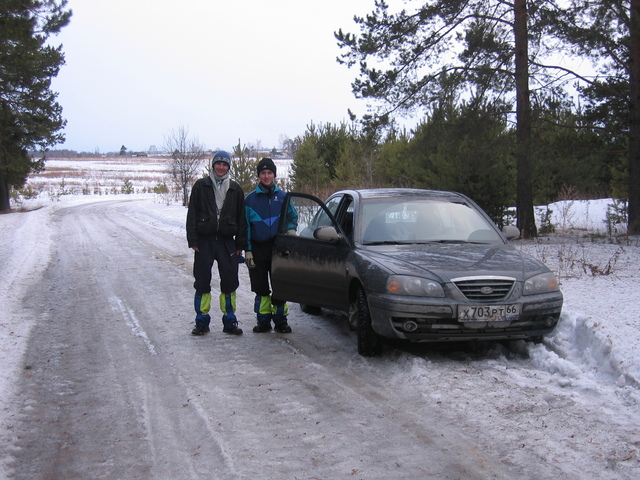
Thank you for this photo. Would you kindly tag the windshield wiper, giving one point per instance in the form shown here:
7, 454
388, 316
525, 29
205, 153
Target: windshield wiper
412, 242
383, 242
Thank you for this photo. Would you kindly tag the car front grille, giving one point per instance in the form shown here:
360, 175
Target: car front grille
485, 289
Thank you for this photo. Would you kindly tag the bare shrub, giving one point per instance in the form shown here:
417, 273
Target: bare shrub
187, 154
573, 259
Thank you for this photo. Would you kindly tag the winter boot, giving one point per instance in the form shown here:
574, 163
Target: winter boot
262, 307
202, 305
233, 330
280, 313
228, 307
282, 328
199, 330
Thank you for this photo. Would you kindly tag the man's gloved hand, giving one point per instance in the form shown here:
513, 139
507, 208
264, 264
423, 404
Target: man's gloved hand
291, 232
248, 258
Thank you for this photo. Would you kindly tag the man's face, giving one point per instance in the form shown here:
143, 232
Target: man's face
221, 168
266, 177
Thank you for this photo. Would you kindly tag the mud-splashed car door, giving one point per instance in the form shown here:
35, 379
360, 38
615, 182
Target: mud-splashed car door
308, 266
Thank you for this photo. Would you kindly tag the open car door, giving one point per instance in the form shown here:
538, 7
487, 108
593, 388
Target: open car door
308, 266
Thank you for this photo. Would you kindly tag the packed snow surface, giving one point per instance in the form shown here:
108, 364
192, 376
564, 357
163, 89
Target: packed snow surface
302, 405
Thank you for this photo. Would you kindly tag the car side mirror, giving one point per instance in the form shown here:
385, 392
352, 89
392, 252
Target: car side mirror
327, 234
511, 232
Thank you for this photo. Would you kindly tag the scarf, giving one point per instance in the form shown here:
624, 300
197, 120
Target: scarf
220, 188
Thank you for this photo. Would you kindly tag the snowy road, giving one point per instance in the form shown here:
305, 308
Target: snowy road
112, 384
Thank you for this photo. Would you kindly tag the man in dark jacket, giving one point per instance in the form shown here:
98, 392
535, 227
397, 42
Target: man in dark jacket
217, 231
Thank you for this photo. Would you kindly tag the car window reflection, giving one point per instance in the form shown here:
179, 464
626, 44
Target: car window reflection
424, 221
311, 216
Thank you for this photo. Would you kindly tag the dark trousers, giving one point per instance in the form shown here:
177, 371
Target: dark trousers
222, 251
260, 275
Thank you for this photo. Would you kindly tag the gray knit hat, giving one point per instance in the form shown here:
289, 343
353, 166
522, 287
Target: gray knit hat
221, 156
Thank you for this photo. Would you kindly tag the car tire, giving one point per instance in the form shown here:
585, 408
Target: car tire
310, 309
369, 343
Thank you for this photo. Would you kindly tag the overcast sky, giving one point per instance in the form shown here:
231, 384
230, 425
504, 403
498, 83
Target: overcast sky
253, 70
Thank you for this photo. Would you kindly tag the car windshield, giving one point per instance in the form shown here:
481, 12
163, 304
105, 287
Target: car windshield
393, 220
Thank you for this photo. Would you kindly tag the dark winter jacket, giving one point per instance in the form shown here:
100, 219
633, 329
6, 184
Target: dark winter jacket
201, 215
263, 215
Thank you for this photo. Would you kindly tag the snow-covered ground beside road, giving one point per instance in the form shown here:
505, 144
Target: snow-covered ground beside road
572, 402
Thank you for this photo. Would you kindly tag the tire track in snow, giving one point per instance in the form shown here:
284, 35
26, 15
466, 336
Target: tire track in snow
132, 322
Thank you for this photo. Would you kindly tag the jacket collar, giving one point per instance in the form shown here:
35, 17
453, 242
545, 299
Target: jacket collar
232, 184
260, 191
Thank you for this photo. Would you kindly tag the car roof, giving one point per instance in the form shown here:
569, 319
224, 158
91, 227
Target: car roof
401, 192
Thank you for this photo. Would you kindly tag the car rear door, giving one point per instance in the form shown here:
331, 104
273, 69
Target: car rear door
305, 269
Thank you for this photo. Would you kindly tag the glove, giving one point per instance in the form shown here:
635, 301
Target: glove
291, 232
248, 259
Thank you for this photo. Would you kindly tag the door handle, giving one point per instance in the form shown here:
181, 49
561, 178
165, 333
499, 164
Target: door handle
283, 253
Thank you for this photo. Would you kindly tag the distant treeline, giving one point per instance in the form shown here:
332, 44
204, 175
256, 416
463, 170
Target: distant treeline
65, 153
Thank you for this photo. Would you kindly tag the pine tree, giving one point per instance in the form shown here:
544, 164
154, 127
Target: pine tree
486, 50
609, 33
314, 164
243, 168
30, 117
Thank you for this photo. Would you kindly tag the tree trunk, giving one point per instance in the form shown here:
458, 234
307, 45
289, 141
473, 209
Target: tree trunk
5, 203
524, 189
633, 227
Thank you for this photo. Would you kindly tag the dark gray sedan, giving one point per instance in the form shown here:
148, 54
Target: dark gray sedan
419, 265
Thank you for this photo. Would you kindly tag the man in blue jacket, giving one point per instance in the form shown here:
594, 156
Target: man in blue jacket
263, 209
216, 231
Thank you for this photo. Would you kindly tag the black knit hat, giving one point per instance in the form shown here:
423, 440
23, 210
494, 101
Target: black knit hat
267, 164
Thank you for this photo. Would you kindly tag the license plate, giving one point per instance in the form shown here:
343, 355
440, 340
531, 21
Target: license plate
488, 313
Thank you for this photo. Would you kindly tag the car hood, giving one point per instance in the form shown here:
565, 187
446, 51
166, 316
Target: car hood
447, 261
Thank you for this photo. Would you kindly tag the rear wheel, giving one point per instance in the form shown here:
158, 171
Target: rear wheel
369, 343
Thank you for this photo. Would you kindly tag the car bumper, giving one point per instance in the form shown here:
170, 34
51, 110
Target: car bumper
424, 320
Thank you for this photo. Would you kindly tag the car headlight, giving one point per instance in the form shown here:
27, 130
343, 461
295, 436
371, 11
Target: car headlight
543, 283
414, 286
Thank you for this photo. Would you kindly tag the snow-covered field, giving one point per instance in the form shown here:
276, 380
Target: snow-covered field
572, 402
98, 176
109, 175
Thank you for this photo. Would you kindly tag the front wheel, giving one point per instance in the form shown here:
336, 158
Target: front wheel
369, 343
353, 316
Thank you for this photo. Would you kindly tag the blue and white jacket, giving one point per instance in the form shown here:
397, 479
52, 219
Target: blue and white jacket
263, 211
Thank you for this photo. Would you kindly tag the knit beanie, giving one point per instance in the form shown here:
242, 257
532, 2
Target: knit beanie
221, 156
267, 164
